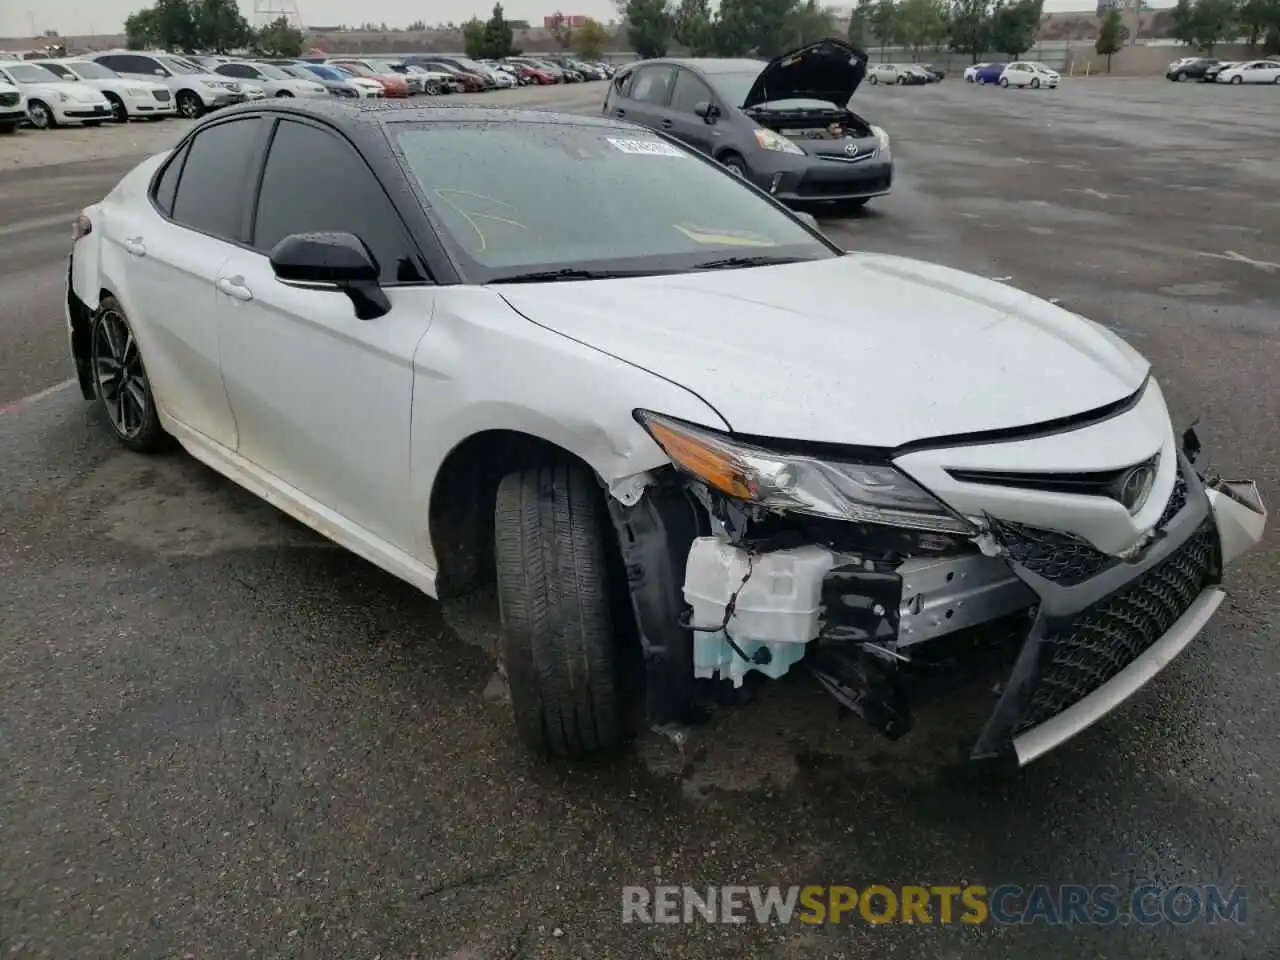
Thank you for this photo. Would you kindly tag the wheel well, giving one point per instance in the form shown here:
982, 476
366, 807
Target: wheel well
727, 152
460, 512
81, 323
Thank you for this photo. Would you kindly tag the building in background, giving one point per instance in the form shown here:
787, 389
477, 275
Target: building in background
568, 20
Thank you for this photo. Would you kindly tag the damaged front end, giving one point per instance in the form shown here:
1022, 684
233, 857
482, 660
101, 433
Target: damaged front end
743, 561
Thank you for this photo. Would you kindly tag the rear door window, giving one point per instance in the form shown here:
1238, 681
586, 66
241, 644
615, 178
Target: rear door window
653, 84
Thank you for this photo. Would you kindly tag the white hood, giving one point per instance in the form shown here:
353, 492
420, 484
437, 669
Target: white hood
862, 349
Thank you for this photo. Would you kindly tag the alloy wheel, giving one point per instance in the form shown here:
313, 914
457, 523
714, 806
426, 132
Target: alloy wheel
188, 105
39, 115
118, 374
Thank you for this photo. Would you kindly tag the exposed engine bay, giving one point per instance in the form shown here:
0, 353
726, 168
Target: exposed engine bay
812, 123
724, 588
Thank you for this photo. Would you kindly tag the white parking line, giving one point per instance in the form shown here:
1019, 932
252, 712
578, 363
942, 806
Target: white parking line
1264, 265
17, 406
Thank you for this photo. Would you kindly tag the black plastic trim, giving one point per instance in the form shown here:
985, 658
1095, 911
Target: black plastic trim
1059, 605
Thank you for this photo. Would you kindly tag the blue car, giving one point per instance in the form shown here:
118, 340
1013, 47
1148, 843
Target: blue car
990, 73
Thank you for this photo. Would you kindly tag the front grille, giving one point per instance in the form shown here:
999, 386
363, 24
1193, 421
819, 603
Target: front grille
1058, 557
162, 96
1106, 638
9, 99
835, 188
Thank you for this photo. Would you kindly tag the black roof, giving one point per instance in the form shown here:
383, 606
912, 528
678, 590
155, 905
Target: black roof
709, 64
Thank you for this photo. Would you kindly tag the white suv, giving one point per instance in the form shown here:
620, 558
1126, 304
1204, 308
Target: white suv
195, 92
129, 99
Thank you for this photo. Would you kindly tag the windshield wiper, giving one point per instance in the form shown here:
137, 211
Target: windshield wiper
570, 273
756, 261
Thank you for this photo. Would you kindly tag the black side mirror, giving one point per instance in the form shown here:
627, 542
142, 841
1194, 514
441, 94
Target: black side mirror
707, 111
333, 261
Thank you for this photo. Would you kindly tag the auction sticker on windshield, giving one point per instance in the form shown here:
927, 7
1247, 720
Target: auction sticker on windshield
648, 148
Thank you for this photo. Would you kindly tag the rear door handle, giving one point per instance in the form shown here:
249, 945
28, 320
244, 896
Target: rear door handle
135, 246
234, 287
619, 112
667, 124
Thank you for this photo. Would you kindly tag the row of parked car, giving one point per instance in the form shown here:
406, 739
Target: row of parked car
1210, 70
1019, 73
121, 85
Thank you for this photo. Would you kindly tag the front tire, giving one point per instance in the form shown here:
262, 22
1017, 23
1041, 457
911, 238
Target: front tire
560, 647
873, 79
120, 380
735, 165
41, 115
1180, 76
1236, 80
1035, 83
189, 105
119, 114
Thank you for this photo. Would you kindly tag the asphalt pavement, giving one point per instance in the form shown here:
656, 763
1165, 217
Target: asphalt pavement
221, 736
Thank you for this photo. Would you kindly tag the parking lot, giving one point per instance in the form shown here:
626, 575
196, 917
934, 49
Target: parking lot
225, 737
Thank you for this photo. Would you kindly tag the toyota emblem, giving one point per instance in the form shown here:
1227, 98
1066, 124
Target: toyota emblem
851, 149
1135, 486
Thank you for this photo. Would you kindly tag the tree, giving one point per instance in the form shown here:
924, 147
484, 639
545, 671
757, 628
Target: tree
141, 30
691, 26
220, 26
969, 27
1213, 20
648, 27
474, 41
590, 39
497, 34
173, 25
884, 23
1258, 18
561, 32
810, 23
921, 23
279, 39
1112, 36
761, 27
859, 20
1184, 23
1014, 26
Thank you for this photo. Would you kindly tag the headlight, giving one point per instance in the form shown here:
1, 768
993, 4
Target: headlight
858, 492
776, 142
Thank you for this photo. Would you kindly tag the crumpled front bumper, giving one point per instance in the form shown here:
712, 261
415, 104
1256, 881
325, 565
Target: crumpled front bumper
1095, 643
1101, 626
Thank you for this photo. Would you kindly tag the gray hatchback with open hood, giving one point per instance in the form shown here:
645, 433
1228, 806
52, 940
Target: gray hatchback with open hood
786, 125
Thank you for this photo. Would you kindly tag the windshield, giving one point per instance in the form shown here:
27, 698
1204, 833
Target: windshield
179, 66
62, 72
733, 87
273, 72
521, 198
358, 69
88, 70
30, 73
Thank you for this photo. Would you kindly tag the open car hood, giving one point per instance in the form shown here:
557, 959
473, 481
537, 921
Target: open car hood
826, 70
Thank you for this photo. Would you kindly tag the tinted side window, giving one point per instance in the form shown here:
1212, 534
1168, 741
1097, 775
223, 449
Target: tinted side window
689, 91
113, 62
652, 85
215, 179
237, 70
316, 181
167, 185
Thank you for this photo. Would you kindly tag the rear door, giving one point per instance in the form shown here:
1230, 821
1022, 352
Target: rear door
647, 98
176, 249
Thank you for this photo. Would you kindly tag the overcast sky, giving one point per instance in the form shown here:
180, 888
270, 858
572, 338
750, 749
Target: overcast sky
71, 17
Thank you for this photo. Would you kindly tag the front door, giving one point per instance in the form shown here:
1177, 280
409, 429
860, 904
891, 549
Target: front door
681, 122
323, 399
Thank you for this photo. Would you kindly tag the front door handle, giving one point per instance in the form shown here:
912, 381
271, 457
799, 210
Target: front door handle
234, 287
619, 112
135, 246
667, 124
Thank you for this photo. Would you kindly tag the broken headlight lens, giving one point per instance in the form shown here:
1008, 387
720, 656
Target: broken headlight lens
859, 492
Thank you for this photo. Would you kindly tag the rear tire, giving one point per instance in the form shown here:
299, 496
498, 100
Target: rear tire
1035, 83
120, 380
559, 644
1235, 80
1004, 82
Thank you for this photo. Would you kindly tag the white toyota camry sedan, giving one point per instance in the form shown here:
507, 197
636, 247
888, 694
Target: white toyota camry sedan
694, 443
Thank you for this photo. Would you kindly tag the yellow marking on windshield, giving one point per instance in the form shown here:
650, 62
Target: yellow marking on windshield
698, 235
471, 218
